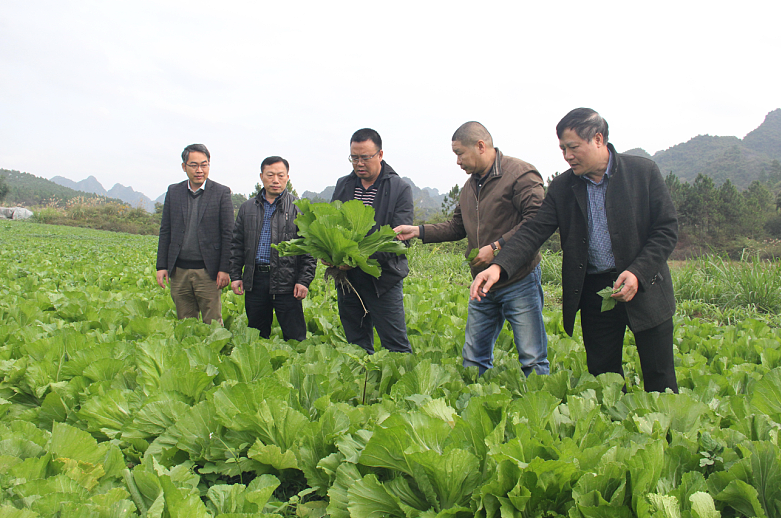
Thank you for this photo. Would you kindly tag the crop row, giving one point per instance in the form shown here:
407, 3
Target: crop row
110, 407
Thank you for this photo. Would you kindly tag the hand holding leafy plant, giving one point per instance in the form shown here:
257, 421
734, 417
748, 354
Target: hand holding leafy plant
337, 233
472, 255
608, 302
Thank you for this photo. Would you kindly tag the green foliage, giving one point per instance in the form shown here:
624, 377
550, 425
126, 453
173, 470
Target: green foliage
337, 233
450, 201
109, 406
116, 217
237, 200
3, 187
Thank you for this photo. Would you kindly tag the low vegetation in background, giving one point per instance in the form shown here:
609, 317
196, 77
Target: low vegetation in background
98, 214
110, 406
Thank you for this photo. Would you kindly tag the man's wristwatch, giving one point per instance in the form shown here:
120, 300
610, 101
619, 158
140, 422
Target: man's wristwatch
494, 248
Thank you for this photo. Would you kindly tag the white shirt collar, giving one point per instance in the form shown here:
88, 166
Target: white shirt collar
189, 187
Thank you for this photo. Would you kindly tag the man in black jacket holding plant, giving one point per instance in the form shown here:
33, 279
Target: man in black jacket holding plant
271, 283
375, 183
618, 227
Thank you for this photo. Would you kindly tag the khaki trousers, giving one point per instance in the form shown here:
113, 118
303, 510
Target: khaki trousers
195, 292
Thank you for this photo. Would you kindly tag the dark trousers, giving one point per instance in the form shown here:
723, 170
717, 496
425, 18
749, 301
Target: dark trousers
603, 336
260, 305
386, 313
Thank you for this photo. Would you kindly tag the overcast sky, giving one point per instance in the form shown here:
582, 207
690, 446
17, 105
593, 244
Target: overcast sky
117, 89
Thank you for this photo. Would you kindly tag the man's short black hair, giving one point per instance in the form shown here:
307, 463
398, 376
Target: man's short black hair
469, 133
273, 160
362, 135
195, 147
585, 122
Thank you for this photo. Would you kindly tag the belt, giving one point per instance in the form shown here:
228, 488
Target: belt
265, 268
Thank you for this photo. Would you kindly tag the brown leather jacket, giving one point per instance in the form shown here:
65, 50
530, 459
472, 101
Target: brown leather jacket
509, 197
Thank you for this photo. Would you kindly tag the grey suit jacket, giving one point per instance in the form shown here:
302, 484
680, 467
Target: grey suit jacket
643, 231
215, 227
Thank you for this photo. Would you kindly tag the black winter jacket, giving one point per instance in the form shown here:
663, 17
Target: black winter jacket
286, 272
392, 206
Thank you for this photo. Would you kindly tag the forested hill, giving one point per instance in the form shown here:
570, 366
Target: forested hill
722, 158
29, 190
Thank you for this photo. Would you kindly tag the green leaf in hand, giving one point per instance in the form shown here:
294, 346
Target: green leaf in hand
608, 302
472, 255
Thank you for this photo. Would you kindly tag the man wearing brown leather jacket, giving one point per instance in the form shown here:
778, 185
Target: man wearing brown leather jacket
501, 195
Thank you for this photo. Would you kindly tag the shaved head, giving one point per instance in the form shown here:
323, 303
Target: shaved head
470, 132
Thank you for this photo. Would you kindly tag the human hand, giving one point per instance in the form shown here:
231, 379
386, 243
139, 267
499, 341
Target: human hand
162, 278
483, 282
343, 267
223, 279
404, 232
300, 291
238, 287
629, 289
484, 257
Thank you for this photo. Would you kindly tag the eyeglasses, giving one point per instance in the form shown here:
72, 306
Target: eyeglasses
365, 158
195, 166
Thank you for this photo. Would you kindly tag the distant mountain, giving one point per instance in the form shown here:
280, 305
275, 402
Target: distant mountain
427, 201
767, 137
89, 184
119, 191
722, 158
638, 152
29, 190
325, 195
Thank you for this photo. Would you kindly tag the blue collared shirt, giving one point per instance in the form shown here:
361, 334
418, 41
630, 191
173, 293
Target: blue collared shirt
263, 255
600, 247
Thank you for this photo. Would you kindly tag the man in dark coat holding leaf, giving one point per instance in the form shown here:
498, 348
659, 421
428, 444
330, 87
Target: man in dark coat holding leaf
376, 184
618, 227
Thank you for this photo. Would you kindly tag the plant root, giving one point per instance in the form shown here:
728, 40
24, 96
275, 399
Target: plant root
341, 281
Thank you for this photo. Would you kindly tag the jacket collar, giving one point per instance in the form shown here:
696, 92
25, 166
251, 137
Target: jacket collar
385, 173
614, 158
496, 168
261, 196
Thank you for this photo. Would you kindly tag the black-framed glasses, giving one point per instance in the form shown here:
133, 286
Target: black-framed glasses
195, 166
365, 158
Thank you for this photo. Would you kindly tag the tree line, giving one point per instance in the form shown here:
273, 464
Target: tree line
711, 217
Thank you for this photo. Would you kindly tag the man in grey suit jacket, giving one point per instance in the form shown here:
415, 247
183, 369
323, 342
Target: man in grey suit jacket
193, 251
618, 227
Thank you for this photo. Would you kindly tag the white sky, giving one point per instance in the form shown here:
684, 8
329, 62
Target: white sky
117, 89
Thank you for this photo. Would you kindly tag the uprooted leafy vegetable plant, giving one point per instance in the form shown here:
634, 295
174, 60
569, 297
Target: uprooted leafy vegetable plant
338, 233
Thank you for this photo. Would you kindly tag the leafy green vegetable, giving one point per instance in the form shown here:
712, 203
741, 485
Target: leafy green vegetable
111, 407
337, 233
608, 302
472, 255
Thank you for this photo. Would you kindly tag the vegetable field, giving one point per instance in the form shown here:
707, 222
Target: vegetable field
111, 408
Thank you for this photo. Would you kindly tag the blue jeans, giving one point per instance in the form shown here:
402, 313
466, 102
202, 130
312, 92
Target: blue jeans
520, 304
